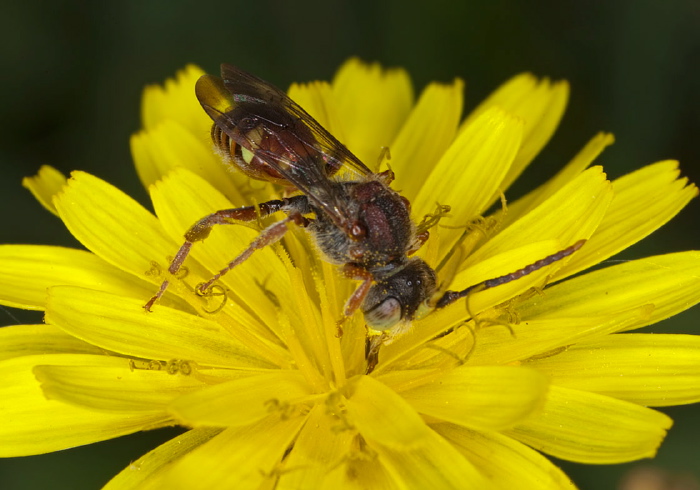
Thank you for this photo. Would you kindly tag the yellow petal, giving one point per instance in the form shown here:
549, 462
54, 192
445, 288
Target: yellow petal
508, 463
146, 472
182, 199
44, 185
119, 324
506, 263
109, 384
26, 271
326, 457
411, 451
27, 340
251, 456
591, 428
648, 369
477, 160
175, 101
170, 145
665, 284
622, 297
426, 135
438, 322
396, 424
644, 201
372, 104
42, 426
311, 336
572, 213
317, 99
434, 464
483, 397
578, 164
242, 401
540, 103
544, 336
360, 472
112, 225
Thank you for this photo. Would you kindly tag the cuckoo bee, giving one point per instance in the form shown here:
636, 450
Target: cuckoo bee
356, 219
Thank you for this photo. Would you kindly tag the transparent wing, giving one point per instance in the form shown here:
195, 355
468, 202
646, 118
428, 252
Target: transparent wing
297, 147
246, 86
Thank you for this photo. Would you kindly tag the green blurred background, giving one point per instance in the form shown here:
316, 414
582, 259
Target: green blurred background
73, 74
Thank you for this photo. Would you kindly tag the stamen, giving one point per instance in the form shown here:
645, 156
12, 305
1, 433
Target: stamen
211, 291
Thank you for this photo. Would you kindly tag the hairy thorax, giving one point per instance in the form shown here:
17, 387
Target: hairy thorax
380, 211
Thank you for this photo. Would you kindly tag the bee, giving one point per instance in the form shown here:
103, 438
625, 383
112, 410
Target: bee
357, 221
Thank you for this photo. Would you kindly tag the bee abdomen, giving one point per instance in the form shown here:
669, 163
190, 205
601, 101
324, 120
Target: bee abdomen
223, 141
243, 157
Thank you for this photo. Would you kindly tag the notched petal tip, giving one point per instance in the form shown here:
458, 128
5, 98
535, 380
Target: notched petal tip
595, 429
317, 99
426, 134
372, 103
45, 185
173, 100
644, 200
540, 103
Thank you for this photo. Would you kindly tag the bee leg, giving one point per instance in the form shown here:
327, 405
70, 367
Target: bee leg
355, 300
202, 228
429, 220
418, 242
451, 296
357, 297
374, 339
268, 236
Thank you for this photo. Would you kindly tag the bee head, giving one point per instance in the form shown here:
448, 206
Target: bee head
398, 297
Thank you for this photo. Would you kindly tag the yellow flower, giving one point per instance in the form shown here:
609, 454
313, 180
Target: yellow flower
470, 397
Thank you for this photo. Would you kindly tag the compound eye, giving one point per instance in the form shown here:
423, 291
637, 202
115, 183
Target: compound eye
385, 315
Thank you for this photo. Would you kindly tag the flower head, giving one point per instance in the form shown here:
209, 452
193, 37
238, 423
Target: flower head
469, 397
